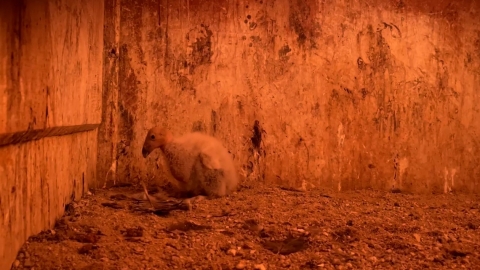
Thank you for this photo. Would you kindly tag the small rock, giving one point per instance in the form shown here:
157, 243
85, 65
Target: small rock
134, 232
86, 248
350, 223
417, 237
373, 259
16, 263
472, 226
259, 267
53, 232
232, 252
138, 250
248, 245
241, 265
396, 204
28, 263
21, 255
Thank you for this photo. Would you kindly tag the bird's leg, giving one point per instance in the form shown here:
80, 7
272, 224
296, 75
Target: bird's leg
113, 170
198, 198
192, 200
106, 179
146, 193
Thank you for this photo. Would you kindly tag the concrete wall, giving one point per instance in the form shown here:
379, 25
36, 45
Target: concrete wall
340, 94
50, 107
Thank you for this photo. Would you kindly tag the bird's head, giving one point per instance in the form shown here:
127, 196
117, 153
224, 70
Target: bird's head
157, 137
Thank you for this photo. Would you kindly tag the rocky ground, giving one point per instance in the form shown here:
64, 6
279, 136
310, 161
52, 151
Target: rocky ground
263, 228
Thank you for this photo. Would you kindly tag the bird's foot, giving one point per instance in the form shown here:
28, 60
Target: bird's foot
191, 202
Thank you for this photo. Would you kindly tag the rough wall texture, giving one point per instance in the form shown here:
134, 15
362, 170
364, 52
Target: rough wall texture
50, 106
341, 94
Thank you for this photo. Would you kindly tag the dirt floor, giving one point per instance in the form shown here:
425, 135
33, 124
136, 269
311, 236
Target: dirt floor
263, 228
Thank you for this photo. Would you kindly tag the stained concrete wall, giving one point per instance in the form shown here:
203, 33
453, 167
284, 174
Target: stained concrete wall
50, 108
340, 94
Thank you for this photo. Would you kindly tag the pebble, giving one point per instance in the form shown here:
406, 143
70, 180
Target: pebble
16, 263
85, 249
232, 252
138, 250
28, 263
417, 237
259, 267
241, 265
373, 259
248, 245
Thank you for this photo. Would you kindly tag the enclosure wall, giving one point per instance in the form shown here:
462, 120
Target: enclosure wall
50, 107
342, 94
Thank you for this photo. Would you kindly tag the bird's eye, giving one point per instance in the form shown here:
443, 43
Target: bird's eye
152, 137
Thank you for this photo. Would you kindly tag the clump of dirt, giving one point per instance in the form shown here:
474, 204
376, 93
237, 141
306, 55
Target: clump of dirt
263, 228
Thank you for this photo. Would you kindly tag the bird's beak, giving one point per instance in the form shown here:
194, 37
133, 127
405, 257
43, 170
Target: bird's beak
145, 152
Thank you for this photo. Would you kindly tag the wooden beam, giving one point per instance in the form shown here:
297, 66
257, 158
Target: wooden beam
37, 134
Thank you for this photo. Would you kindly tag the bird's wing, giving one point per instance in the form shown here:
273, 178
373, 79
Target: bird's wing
209, 161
